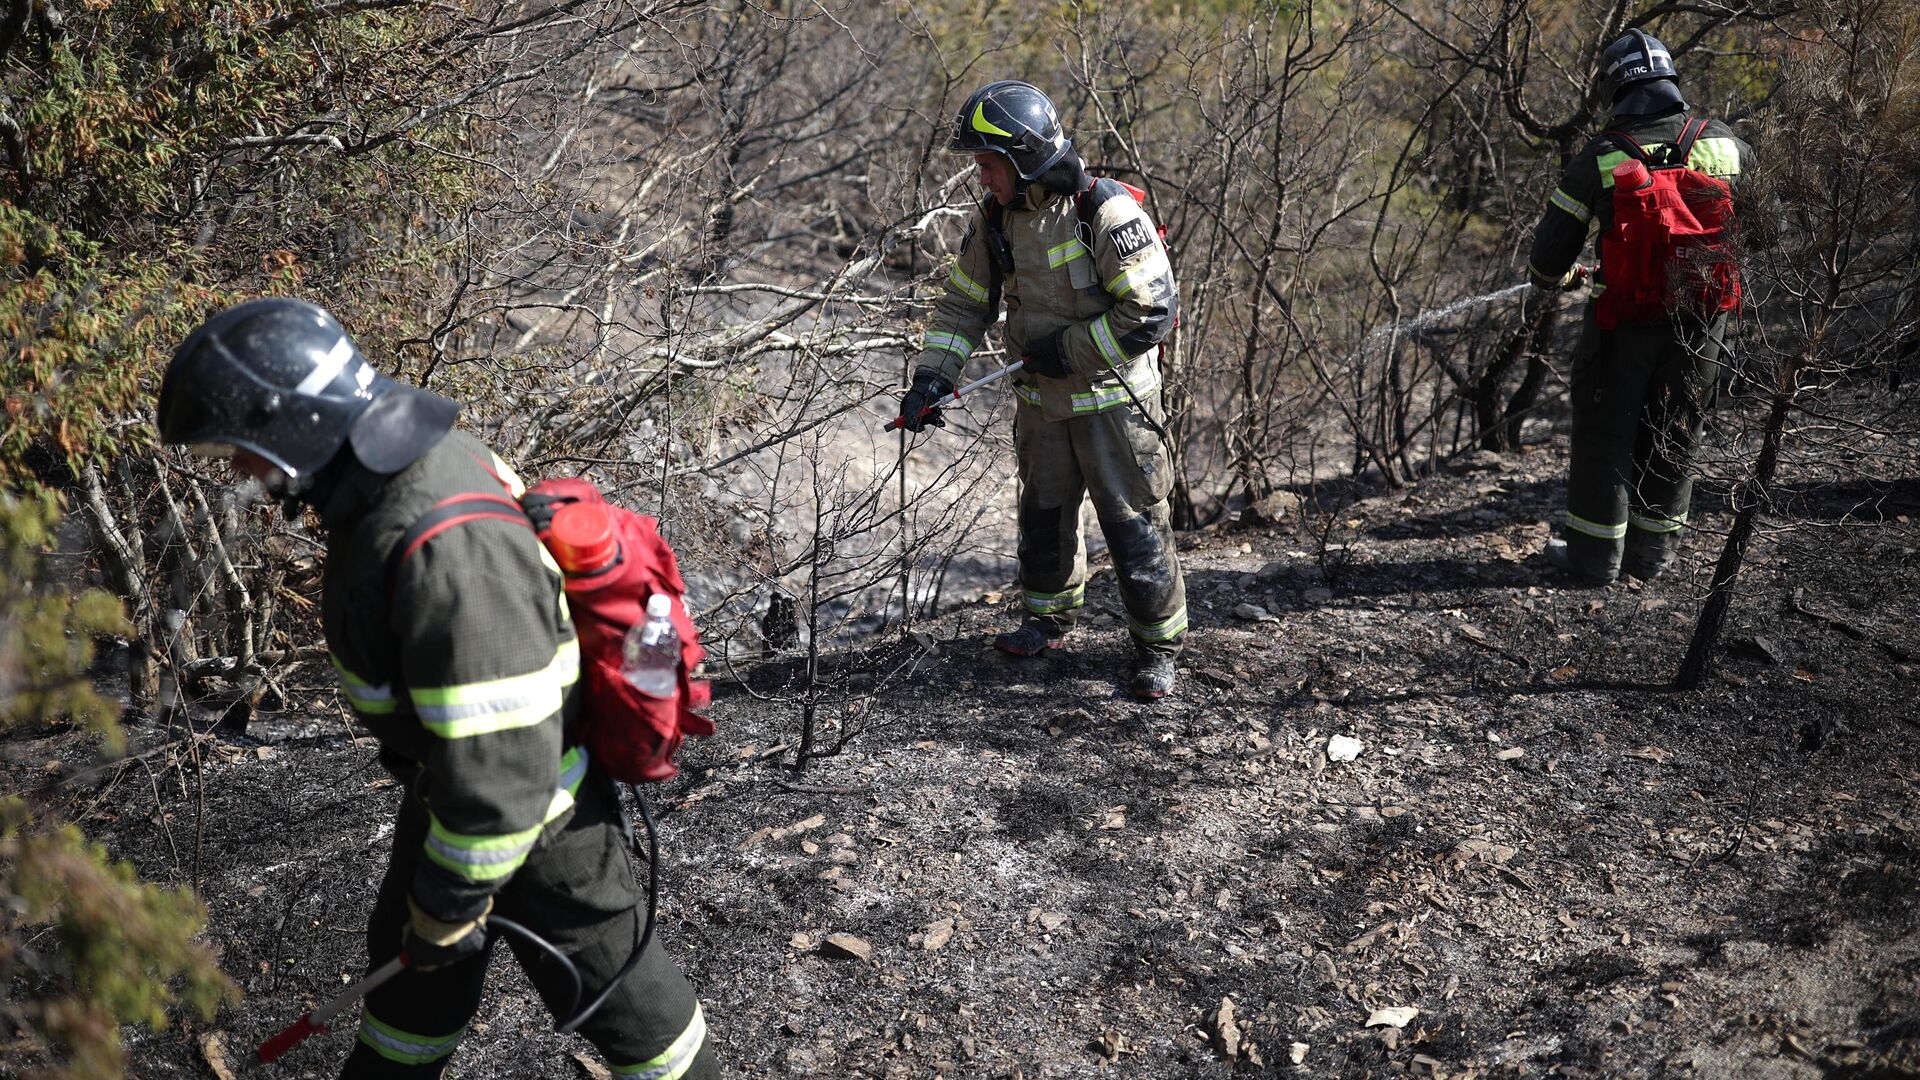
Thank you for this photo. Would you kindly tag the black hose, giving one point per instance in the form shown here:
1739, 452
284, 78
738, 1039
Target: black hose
1141, 408
534, 939
646, 932
639, 949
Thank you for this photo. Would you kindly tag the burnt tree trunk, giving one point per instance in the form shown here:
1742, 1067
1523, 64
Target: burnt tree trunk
1749, 498
1527, 394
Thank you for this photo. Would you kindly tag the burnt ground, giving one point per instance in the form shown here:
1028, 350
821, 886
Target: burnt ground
1549, 864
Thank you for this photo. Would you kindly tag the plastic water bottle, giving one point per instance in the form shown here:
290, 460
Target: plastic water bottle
650, 658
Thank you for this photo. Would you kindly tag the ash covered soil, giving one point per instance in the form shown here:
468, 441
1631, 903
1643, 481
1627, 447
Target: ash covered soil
1539, 863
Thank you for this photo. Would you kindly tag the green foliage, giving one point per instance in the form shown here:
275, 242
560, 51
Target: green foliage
126, 949
69, 334
121, 951
177, 159
46, 643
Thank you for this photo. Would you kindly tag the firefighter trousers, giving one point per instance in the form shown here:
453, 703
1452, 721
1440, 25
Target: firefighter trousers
578, 892
1639, 395
1116, 457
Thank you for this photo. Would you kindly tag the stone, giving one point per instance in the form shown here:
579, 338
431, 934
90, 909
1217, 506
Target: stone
847, 947
1397, 1016
1344, 748
1277, 506
937, 935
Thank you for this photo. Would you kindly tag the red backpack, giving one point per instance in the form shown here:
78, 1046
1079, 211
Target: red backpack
1670, 244
612, 560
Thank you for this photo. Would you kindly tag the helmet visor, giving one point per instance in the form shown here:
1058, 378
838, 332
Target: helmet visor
191, 410
216, 424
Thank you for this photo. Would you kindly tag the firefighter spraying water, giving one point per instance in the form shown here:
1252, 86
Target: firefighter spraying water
1659, 184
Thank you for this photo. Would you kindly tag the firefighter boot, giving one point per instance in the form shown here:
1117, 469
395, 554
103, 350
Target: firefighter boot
1559, 559
1033, 638
1649, 554
1152, 673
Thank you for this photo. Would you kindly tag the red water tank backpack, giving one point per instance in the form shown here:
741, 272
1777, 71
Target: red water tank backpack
1670, 245
612, 560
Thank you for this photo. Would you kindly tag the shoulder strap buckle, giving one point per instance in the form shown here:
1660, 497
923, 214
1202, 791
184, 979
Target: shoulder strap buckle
1689, 134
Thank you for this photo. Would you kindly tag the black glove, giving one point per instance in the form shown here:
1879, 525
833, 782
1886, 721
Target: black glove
1045, 356
928, 388
432, 942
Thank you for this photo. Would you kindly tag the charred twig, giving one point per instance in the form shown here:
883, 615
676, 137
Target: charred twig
824, 789
261, 663
127, 762
1798, 601
1739, 832
199, 806
1479, 637
160, 811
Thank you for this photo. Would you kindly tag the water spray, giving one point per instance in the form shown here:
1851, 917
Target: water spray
1581, 274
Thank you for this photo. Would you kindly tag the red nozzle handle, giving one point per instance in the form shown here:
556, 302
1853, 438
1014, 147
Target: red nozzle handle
901, 421
296, 1033
307, 1026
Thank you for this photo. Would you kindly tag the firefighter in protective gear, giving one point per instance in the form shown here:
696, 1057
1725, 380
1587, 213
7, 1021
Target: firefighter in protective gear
1089, 297
1638, 392
464, 664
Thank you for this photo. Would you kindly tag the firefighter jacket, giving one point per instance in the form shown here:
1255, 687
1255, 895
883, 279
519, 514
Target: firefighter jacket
1109, 288
1585, 193
461, 659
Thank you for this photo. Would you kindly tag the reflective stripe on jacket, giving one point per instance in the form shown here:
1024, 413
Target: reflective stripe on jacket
1112, 292
464, 665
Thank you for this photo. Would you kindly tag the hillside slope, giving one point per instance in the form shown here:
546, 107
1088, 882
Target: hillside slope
1546, 865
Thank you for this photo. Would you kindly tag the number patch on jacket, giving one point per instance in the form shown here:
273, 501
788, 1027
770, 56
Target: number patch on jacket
1130, 238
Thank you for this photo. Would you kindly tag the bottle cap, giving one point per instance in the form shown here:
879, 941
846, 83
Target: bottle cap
581, 538
659, 605
1631, 175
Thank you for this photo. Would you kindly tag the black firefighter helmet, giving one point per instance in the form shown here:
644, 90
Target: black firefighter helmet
1013, 119
280, 378
1637, 76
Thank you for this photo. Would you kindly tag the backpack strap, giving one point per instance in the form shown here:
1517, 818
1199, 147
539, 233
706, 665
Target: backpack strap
1629, 146
1096, 195
1675, 153
1689, 134
999, 253
446, 514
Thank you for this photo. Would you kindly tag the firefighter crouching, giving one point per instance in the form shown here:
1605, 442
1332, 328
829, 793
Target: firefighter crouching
465, 666
1089, 296
1639, 391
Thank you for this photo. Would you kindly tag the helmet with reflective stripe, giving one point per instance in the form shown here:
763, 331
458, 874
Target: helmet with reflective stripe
1634, 57
280, 378
1013, 119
